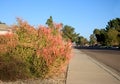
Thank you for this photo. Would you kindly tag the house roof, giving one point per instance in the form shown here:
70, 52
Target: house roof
3, 26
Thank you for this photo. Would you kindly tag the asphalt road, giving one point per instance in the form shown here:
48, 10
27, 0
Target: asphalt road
110, 58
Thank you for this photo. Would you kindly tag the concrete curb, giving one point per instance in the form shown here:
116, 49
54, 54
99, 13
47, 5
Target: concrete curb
106, 68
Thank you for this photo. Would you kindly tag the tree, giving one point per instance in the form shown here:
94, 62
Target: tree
100, 35
81, 41
93, 40
50, 22
69, 34
114, 24
96, 32
112, 37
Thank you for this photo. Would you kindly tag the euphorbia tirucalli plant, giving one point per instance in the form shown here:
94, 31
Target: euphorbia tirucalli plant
53, 49
42, 50
7, 40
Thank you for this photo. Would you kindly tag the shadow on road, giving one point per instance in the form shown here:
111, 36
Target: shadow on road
96, 48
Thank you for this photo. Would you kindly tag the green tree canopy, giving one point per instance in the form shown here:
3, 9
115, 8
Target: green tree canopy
50, 22
93, 40
100, 35
81, 41
69, 33
114, 28
110, 35
114, 24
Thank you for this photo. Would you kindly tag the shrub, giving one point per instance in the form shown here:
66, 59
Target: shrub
6, 41
12, 68
35, 52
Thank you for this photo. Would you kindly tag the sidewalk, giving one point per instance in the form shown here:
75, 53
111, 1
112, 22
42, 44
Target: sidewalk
82, 70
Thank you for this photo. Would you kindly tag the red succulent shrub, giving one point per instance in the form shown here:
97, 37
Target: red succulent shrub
54, 49
42, 49
7, 40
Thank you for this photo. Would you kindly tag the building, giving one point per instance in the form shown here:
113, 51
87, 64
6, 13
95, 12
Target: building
4, 29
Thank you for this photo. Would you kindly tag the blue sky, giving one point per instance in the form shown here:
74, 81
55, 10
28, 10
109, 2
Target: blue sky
83, 15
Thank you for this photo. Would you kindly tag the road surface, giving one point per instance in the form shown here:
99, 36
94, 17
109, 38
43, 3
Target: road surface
110, 58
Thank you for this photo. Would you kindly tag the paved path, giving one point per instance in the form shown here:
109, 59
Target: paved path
84, 70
